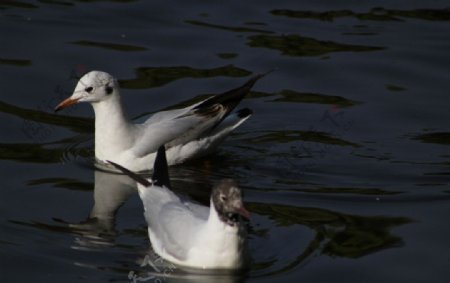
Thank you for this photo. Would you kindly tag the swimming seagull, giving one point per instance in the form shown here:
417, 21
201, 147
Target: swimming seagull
190, 234
188, 132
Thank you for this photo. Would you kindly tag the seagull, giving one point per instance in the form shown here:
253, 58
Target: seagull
189, 234
187, 133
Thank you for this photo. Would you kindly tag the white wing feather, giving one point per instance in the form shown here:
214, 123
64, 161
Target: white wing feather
172, 223
170, 130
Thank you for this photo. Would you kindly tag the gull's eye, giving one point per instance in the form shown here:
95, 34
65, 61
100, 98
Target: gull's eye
223, 198
89, 89
108, 90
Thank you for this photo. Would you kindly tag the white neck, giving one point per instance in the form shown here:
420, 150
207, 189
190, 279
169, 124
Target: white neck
223, 245
214, 220
112, 128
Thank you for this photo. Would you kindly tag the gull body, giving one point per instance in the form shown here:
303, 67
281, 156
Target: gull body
189, 234
188, 132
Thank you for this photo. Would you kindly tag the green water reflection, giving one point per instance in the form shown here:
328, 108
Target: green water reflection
296, 45
148, 77
110, 46
227, 28
306, 97
292, 135
343, 235
437, 138
375, 14
15, 62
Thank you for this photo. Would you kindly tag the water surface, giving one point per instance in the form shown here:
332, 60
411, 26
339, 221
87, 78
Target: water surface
344, 164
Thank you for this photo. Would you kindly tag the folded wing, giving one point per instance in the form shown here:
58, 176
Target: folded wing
180, 126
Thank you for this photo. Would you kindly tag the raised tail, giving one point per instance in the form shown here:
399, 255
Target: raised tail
160, 171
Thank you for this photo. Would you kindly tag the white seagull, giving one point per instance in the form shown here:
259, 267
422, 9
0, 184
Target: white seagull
189, 132
190, 234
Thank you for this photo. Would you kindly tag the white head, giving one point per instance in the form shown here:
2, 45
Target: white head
94, 86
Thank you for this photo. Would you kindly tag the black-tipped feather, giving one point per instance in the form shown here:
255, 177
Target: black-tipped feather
132, 175
230, 98
161, 169
245, 112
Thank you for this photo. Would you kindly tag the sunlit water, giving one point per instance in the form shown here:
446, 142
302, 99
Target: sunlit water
344, 164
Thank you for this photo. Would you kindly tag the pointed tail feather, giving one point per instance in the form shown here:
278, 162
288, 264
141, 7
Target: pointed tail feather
141, 180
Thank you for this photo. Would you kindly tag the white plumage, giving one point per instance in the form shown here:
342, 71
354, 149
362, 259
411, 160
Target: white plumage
189, 132
189, 234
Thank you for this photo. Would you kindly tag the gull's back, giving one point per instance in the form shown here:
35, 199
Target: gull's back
172, 224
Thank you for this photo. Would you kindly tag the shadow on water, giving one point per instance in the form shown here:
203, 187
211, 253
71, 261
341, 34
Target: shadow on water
375, 14
336, 234
293, 44
296, 45
53, 152
62, 183
38, 127
36, 119
26, 5
227, 28
110, 46
436, 138
292, 96
149, 77
17, 4
291, 135
302, 97
15, 62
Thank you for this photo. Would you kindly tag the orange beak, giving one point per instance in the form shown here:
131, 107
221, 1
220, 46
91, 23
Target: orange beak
66, 103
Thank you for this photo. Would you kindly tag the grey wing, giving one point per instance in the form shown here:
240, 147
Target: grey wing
176, 130
175, 127
165, 115
176, 229
199, 211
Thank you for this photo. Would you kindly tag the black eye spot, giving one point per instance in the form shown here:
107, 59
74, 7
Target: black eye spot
89, 89
223, 198
109, 90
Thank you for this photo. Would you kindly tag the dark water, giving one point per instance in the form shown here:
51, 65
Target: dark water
345, 163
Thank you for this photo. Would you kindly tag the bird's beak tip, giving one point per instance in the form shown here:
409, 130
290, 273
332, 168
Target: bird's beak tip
65, 103
244, 212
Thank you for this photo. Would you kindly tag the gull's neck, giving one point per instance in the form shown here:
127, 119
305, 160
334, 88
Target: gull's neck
113, 131
214, 221
227, 243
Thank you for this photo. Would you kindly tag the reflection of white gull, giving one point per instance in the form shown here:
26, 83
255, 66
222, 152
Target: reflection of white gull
187, 132
189, 234
110, 192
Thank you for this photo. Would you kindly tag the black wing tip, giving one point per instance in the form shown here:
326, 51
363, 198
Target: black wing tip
141, 180
251, 82
259, 76
232, 97
245, 112
161, 169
